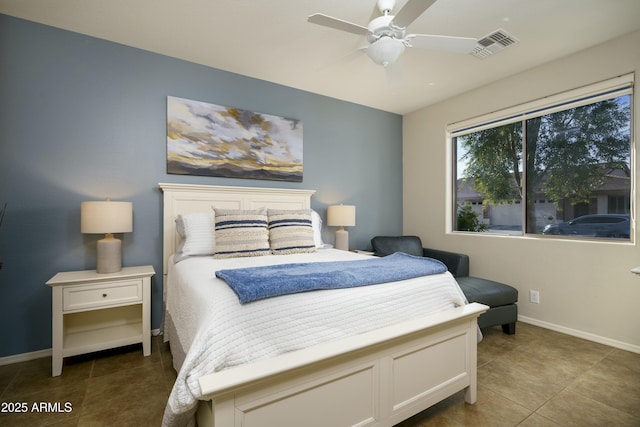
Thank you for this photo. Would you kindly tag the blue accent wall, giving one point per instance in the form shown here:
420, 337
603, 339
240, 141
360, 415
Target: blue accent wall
84, 119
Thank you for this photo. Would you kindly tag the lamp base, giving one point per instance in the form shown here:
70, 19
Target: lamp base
342, 239
109, 255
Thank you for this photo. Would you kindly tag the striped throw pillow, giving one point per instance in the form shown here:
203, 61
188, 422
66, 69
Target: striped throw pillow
241, 233
291, 231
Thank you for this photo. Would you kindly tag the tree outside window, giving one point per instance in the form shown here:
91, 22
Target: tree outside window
544, 171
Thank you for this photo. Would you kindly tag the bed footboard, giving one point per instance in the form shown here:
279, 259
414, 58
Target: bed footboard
374, 379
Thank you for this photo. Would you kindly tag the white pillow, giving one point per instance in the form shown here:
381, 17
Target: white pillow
316, 223
198, 235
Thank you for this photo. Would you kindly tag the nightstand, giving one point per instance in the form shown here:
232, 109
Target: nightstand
93, 312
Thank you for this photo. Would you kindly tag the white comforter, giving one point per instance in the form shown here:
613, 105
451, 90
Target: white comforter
217, 332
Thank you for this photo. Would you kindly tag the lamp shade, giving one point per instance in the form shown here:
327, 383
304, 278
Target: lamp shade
102, 217
341, 215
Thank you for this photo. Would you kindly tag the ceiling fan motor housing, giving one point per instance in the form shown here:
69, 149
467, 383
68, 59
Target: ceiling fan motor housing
382, 26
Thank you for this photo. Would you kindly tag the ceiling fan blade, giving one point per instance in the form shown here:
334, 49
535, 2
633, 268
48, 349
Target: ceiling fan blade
410, 11
444, 43
337, 24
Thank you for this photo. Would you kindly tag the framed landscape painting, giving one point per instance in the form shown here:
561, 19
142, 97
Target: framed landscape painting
213, 140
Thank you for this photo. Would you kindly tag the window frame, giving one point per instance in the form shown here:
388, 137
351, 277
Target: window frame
585, 95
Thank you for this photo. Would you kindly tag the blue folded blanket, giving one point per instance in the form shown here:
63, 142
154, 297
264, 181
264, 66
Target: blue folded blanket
254, 283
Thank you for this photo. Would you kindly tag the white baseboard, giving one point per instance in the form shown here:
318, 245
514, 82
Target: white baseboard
581, 334
25, 357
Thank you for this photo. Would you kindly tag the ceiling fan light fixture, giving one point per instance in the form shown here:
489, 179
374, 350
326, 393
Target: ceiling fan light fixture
385, 51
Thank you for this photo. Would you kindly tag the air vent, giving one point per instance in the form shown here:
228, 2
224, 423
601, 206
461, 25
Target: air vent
493, 43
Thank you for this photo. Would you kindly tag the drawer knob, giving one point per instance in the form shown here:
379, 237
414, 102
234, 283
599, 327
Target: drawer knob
104, 295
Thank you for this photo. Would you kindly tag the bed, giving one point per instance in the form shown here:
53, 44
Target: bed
384, 375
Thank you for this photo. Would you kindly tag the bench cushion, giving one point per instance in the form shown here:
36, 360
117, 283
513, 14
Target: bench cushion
487, 292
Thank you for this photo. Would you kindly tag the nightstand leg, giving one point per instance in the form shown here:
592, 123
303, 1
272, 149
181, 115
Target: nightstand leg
57, 331
146, 316
146, 343
56, 365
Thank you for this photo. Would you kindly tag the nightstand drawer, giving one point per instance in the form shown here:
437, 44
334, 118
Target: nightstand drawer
105, 295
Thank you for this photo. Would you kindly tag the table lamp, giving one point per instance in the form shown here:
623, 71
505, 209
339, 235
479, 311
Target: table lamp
107, 217
341, 216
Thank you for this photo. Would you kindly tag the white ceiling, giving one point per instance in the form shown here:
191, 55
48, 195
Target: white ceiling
272, 40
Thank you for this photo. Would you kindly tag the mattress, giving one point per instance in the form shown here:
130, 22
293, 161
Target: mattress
216, 332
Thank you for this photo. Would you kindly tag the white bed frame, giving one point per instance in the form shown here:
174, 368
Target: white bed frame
373, 379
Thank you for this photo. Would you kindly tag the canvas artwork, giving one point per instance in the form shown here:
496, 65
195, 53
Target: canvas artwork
214, 140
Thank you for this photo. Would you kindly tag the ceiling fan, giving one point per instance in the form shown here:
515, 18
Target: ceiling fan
387, 36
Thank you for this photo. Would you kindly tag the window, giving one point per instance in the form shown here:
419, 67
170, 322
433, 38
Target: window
558, 168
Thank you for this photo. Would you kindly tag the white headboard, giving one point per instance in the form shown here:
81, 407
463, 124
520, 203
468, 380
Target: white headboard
188, 198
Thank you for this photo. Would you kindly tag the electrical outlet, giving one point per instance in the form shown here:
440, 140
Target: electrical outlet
534, 296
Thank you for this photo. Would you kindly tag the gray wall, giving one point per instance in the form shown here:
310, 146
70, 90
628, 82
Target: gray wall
83, 119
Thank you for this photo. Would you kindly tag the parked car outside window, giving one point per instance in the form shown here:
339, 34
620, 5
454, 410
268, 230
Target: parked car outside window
599, 225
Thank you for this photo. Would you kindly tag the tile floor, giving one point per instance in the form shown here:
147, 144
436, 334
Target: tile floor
534, 378
115, 388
